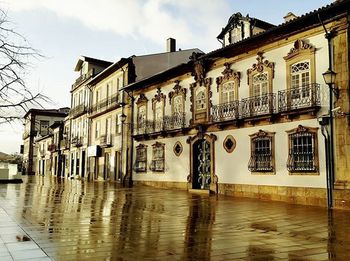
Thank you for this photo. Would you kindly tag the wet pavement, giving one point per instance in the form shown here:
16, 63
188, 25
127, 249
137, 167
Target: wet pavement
46, 218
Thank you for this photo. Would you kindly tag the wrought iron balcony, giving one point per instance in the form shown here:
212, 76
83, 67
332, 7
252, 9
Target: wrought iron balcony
225, 111
106, 140
77, 141
78, 110
258, 105
105, 104
168, 123
298, 98
83, 78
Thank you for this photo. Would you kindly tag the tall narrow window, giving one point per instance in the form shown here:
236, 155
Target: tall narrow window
141, 119
201, 101
97, 129
118, 126
158, 157
177, 99
141, 158
260, 89
158, 103
300, 79
158, 115
262, 156
228, 92
303, 152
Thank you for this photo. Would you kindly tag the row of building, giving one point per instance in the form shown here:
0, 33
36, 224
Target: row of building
241, 120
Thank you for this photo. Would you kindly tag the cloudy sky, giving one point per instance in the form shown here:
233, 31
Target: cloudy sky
110, 29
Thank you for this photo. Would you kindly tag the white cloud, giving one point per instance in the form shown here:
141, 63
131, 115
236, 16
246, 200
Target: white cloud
191, 22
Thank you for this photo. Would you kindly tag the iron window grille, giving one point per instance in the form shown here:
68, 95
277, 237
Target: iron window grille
302, 152
141, 158
158, 159
261, 159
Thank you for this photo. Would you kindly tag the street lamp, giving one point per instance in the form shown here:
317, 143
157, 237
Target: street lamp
329, 78
123, 118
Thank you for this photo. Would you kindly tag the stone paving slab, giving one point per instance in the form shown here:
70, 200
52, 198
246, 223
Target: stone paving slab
77, 220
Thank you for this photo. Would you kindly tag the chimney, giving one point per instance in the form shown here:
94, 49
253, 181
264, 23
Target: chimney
288, 17
170, 45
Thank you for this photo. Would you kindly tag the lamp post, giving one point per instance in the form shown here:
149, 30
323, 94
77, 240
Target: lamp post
329, 78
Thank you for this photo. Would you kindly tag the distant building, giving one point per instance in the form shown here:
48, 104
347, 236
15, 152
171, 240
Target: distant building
36, 123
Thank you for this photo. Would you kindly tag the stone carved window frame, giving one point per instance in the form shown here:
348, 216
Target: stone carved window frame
300, 51
201, 116
178, 91
141, 101
159, 97
137, 160
260, 67
228, 75
271, 137
310, 130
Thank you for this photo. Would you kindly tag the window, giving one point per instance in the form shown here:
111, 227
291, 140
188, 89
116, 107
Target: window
157, 163
200, 101
303, 152
97, 129
141, 158
260, 89
141, 113
108, 126
177, 99
228, 92
118, 126
158, 115
44, 128
300, 79
262, 152
141, 117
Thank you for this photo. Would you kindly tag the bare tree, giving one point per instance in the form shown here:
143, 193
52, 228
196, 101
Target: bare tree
15, 56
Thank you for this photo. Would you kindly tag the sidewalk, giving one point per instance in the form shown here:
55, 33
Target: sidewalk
76, 220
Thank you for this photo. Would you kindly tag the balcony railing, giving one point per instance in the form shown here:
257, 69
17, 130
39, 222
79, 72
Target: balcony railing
105, 104
258, 105
78, 110
77, 141
225, 111
298, 98
83, 78
168, 123
106, 140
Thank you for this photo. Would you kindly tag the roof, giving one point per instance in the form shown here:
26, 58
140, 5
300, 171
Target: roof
161, 76
49, 112
90, 60
238, 16
109, 70
329, 12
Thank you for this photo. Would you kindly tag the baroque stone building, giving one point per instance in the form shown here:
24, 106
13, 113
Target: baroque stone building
243, 120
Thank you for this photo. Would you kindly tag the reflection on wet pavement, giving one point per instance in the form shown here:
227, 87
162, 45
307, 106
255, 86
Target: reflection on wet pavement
75, 220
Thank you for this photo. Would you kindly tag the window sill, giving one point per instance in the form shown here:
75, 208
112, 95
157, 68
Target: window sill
306, 173
263, 173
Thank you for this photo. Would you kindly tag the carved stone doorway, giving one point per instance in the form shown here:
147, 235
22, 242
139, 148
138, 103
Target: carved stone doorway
202, 163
